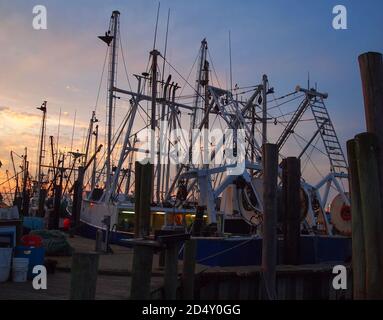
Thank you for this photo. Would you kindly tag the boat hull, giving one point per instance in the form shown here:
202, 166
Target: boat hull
89, 231
247, 251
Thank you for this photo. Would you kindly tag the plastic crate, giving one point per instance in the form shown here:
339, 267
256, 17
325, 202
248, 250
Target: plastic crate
36, 257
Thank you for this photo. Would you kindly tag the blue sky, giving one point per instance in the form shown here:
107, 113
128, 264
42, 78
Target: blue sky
285, 39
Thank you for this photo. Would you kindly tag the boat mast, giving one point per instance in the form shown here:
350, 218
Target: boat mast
93, 119
93, 181
25, 181
127, 186
264, 109
193, 121
51, 140
198, 95
200, 71
16, 175
164, 116
154, 53
159, 156
205, 84
114, 29
230, 65
43, 108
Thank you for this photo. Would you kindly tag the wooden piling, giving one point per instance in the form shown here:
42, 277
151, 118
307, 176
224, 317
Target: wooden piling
188, 272
358, 246
291, 184
371, 71
367, 155
161, 259
84, 276
141, 272
143, 194
137, 202
198, 221
171, 271
98, 246
269, 242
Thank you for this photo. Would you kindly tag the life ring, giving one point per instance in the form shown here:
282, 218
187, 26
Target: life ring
341, 215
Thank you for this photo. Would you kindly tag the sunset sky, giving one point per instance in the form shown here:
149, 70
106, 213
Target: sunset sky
284, 39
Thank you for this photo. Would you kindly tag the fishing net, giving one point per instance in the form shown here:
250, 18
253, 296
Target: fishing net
55, 242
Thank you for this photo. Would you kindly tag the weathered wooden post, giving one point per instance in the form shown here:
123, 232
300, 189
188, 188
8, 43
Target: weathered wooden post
161, 259
98, 246
84, 276
172, 244
143, 249
171, 270
291, 183
189, 261
367, 155
358, 246
143, 194
142, 269
146, 195
137, 195
371, 71
269, 242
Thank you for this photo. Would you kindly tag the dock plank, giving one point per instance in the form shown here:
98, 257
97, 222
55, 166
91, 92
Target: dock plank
58, 285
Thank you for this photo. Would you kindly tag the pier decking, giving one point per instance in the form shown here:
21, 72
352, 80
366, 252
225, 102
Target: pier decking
114, 279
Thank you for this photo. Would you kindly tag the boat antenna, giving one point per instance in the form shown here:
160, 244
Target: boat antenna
73, 128
231, 71
155, 30
58, 133
166, 46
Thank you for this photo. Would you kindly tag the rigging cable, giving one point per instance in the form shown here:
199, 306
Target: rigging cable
123, 60
102, 76
187, 78
212, 65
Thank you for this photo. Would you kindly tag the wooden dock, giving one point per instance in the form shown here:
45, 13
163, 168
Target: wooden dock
114, 276
109, 287
303, 282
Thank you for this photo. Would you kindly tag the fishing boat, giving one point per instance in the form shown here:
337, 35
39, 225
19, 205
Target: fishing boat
214, 136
